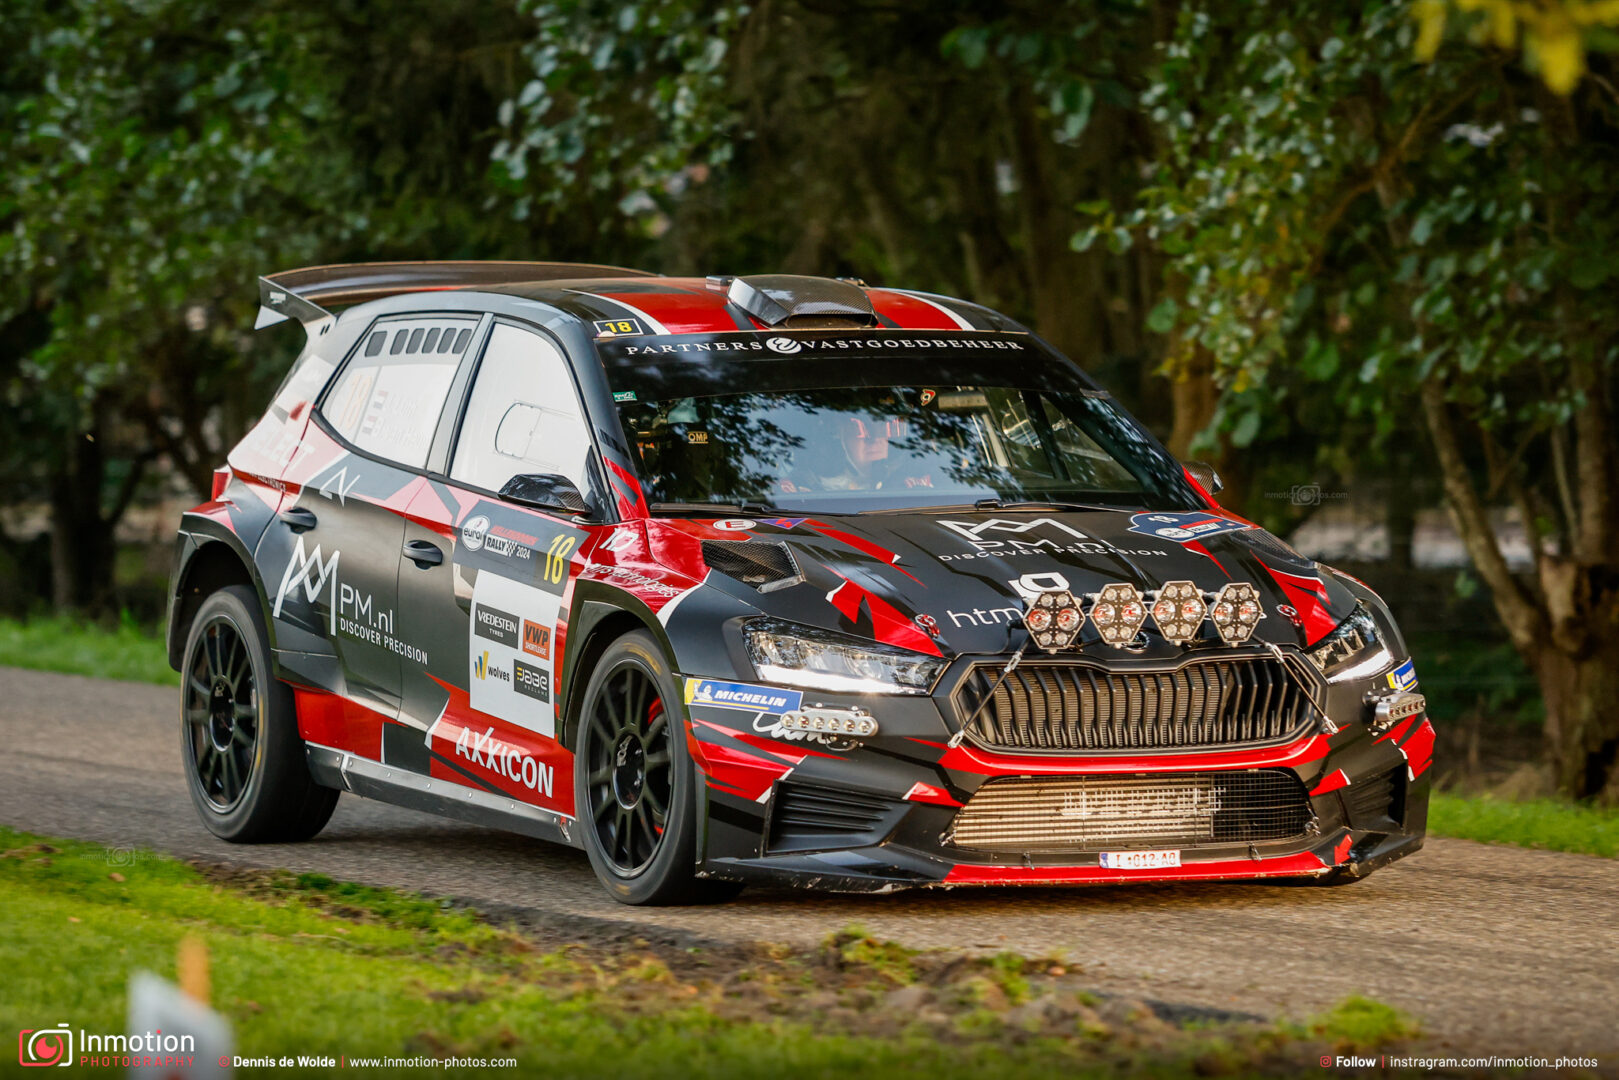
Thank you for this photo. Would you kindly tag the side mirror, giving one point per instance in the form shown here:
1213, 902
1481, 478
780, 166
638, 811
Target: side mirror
545, 491
1204, 474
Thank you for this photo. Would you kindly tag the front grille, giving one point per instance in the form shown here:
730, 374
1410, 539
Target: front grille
1065, 706
1377, 802
803, 817
1099, 813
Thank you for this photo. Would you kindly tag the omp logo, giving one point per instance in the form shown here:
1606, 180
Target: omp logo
311, 572
537, 639
784, 345
474, 531
482, 668
1024, 534
556, 559
43, 1047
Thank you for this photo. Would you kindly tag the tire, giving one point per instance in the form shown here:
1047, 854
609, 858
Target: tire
244, 762
635, 787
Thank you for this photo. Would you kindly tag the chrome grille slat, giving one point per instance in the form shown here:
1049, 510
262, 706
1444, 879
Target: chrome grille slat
1096, 813
1054, 707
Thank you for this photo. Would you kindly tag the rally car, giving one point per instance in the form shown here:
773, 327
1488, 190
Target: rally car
770, 578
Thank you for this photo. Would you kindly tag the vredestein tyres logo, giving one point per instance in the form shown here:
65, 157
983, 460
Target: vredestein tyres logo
556, 558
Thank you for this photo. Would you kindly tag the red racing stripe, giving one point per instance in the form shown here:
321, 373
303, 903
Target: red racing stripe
1281, 866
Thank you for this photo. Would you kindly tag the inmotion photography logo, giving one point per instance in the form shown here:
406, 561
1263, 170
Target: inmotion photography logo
41, 1047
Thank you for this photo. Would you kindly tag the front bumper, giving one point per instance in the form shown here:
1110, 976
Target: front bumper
878, 815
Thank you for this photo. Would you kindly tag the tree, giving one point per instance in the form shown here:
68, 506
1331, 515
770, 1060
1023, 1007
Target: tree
940, 146
1430, 242
156, 156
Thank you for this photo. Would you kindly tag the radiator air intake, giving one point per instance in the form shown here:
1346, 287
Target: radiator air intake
794, 302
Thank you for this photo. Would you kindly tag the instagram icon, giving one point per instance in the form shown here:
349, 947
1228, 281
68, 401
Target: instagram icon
46, 1046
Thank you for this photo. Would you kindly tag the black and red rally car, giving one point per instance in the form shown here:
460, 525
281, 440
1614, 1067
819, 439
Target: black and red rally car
765, 578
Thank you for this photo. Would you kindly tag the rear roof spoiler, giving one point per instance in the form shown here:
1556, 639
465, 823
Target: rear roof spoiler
306, 294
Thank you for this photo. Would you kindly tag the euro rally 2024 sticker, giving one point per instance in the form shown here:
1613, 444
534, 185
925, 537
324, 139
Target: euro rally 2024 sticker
1183, 526
743, 696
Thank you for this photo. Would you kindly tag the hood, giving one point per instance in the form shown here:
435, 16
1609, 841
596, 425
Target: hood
954, 582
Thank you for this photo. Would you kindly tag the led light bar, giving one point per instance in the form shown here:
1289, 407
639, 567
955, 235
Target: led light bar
1236, 612
1054, 619
849, 723
1179, 611
1389, 707
1118, 613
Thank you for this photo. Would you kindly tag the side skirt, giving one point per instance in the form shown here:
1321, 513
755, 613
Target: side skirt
391, 784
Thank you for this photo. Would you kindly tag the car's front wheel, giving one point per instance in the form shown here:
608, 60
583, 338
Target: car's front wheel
634, 783
243, 758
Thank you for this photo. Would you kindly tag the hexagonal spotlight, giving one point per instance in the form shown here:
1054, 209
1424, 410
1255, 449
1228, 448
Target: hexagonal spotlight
1236, 612
1118, 613
1054, 619
1179, 611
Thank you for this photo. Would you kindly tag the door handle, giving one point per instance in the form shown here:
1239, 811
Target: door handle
298, 519
423, 554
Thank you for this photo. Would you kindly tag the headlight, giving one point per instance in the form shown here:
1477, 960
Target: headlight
1353, 651
797, 655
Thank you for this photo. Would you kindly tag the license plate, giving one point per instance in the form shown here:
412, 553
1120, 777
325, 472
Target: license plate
1140, 860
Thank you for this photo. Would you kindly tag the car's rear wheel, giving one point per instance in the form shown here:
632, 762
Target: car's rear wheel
634, 783
244, 761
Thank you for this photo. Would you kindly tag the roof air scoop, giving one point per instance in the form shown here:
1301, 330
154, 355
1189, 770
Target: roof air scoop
795, 302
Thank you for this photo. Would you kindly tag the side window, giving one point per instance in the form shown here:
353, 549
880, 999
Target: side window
388, 399
523, 415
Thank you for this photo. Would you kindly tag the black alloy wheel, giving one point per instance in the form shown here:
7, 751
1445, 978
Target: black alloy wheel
631, 768
222, 712
246, 766
636, 788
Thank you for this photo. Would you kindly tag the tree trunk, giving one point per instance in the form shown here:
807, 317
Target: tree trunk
81, 542
1582, 718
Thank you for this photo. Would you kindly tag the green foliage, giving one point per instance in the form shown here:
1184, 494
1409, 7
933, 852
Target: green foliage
1360, 1024
404, 976
1552, 824
125, 650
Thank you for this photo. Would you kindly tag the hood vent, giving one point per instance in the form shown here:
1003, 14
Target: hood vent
764, 564
793, 302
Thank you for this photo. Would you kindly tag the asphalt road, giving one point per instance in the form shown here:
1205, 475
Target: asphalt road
1493, 948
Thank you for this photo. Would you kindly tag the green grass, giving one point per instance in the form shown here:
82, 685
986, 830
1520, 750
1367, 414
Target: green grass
302, 964
58, 643
1540, 823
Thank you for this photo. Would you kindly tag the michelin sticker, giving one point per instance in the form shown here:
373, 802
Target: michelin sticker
1404, 677
743, 696
510, 659
1181, 527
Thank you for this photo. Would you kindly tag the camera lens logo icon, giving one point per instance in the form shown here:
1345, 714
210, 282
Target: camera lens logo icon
43, 1047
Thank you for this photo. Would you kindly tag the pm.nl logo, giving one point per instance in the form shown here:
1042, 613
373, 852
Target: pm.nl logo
45, 1046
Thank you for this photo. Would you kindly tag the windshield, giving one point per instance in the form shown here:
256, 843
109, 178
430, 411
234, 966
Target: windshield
834, 436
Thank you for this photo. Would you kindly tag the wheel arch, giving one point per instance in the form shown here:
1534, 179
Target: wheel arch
603, 615
206, 565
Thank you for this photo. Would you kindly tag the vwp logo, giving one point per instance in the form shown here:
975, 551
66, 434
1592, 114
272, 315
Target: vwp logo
41, 1047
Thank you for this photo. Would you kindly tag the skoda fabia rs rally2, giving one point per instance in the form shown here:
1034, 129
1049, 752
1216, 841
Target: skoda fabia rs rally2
772, 578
